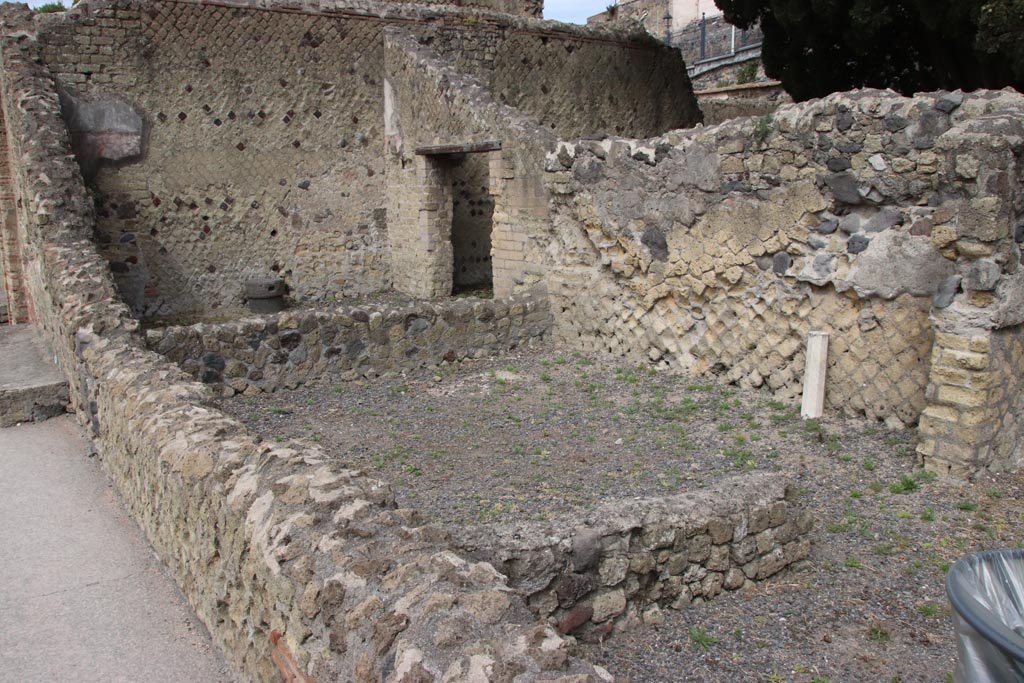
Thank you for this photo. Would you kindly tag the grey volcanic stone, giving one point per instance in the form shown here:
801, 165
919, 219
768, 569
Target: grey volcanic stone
857, 244
838, 164
983, 276
844, 187
946, 292
586, 549
781, 263
883, 220
947, 104
654, 240
850, 224
828, 226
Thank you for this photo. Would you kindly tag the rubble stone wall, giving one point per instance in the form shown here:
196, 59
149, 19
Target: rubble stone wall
629, 559
290, 349
717, 251
261, 150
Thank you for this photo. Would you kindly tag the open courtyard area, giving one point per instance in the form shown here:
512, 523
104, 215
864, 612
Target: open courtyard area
550, 434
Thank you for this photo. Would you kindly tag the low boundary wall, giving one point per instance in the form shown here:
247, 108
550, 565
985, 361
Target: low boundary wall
630, 558
284, 351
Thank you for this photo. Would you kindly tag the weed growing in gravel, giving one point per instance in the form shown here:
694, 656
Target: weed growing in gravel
869, 465
852, 563
813, 427
878, 634
700, 638
928, 515
741, 459
967, 506
883, 550
906, 484
929, 610
700, 387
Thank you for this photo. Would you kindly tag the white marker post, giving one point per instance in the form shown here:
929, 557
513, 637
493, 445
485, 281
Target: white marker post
813, 405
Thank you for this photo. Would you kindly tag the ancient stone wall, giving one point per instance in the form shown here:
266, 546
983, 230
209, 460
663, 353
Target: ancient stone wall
716, 251
262, 150
631, 558
431, 103
14, 303
290, 349
583, 86
262, 130
741, 101
277, 548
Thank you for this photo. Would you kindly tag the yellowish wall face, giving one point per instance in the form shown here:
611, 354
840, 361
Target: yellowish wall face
685, 11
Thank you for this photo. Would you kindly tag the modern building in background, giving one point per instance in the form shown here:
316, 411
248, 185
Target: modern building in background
723, 61
714, 50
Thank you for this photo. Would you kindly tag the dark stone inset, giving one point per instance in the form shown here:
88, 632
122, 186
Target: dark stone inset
857, 244
655, 241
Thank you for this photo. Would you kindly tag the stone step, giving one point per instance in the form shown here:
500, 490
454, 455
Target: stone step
32, 389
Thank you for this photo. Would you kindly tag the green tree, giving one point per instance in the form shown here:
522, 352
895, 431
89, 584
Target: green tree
816, 47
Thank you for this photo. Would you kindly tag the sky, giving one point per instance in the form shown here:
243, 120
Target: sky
575, 11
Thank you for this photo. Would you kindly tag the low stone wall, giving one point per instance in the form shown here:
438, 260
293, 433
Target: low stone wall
741, 101
628, 559
32, 404
289, 349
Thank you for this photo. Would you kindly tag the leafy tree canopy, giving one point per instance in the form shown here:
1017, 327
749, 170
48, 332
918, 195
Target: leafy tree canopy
816, 47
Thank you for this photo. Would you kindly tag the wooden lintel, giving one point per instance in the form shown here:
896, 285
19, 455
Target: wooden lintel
465, 148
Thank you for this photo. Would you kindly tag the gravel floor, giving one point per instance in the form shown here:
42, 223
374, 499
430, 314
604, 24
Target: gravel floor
547, 434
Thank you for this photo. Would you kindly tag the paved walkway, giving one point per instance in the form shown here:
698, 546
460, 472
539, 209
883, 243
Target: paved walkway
82, 596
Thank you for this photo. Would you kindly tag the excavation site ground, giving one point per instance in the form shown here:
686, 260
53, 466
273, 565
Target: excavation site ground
548, 435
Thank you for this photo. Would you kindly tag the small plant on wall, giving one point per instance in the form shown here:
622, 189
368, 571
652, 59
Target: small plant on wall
51, 7
747, 73
612, 10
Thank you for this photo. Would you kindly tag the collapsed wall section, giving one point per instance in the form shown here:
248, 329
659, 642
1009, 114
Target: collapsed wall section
717, 251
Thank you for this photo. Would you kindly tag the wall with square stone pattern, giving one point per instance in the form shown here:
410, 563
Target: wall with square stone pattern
717, 251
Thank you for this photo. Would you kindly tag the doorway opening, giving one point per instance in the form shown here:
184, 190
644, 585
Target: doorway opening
472, 225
